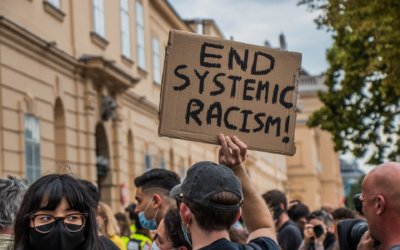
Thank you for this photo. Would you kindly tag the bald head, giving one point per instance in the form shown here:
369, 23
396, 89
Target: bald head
381, 203
384, 179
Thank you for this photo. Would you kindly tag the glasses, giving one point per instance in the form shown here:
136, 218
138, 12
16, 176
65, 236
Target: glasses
44, 223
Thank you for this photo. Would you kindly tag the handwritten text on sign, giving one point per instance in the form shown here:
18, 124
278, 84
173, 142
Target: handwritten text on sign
224, 86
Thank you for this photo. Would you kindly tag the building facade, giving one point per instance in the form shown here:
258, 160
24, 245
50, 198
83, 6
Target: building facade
314, 171
80, 89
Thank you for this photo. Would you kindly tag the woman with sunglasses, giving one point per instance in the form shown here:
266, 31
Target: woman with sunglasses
56, 213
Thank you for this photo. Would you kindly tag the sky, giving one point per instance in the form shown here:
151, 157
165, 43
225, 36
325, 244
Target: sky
254, 21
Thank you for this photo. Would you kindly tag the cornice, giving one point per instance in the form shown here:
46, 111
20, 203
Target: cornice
20, 38
138, 102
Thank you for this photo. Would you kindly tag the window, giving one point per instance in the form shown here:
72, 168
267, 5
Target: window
55, 3
183, 172
125, 29
156, 61
32, 148
98, 14
199, 28
148, 162
153, 161
140, 35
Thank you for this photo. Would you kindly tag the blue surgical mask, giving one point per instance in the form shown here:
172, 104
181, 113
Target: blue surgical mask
154, 246
148, 224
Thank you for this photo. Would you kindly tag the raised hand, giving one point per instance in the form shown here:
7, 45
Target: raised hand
232, 152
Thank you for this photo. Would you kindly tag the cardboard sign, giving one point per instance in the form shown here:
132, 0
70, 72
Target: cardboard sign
213, 86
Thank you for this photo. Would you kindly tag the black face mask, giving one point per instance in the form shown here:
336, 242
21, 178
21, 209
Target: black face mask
57, 239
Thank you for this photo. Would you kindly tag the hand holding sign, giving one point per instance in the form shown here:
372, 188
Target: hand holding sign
232, 152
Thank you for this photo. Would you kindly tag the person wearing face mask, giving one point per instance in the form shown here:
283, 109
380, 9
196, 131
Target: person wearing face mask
169, 234
135, 236
152, 196
56, 213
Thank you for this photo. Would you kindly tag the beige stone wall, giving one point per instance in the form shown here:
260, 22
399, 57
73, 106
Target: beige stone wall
41, 74
314, 171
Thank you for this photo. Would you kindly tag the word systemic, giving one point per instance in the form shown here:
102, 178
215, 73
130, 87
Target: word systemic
255, 88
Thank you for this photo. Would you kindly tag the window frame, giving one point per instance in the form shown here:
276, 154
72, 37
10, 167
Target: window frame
126, 49
156, 60
140, 35
32, 147
98, 18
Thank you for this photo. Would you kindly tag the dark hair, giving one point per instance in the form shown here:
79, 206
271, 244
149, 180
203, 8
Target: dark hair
173, 226
321, 215
157, 178
93, 192
211, 219
53, 188
343, 214
123, 223
275, 198
297, 211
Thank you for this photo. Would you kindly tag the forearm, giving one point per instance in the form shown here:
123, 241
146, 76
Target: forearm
254, 210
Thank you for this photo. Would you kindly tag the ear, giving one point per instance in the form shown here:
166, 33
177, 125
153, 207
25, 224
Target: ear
239, 213
380, 204
157, 200
185, 213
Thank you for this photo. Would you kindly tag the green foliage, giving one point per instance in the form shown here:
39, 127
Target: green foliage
362, 104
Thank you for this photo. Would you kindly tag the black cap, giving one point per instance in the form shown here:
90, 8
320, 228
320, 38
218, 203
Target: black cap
205, 179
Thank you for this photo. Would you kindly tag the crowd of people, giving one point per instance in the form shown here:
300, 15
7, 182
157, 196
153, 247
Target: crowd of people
215, 207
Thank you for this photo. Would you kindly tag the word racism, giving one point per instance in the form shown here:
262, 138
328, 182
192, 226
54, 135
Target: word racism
254, 89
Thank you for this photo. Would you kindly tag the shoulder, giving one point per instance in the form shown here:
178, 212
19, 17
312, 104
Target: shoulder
107, 243
290, 228
261, 243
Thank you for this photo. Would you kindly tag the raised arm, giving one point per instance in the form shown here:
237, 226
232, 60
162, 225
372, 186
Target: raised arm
255, 212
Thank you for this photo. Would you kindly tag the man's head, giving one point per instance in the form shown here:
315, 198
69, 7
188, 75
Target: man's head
381, 200
298, 212
169, 233
152, 193
212, 194
276, 201
11, 193
342, 213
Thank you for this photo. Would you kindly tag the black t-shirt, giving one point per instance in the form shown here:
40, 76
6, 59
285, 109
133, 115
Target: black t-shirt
107, 243
289, 236
261, 243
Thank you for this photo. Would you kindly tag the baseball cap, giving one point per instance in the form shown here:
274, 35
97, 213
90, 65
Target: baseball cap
205, 179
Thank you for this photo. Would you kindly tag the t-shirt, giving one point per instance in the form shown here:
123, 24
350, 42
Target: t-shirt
261, 243
289, 236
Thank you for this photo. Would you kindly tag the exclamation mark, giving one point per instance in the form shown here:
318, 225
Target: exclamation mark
286, 138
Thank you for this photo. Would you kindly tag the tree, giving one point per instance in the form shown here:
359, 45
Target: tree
362, 104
